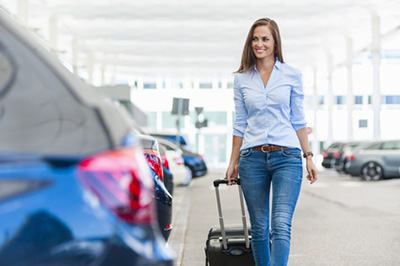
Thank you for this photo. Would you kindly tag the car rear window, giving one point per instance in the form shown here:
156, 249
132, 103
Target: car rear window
376, 146
391, 145
397, 145
334, 147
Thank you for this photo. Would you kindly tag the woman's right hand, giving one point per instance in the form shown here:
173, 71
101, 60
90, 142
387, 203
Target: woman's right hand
232, 172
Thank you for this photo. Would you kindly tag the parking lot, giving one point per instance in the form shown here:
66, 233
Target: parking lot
339, 220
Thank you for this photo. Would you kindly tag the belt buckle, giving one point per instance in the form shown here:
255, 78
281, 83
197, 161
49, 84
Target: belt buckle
267, 148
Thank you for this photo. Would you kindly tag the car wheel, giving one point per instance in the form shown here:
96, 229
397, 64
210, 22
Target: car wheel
372, 172
189, 176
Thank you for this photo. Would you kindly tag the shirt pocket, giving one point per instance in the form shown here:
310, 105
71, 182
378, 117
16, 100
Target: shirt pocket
295, 153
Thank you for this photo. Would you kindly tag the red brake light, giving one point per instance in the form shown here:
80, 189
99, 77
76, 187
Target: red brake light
165, 161
154, 161
121, 180
325, 154
336, 155
351, 157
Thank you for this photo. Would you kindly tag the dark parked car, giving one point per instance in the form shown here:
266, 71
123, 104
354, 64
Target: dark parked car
331, 154
344, 155
195, 163
75, 188
375, 160
161, 192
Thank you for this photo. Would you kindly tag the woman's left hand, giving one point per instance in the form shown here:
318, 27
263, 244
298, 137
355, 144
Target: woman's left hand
312, 170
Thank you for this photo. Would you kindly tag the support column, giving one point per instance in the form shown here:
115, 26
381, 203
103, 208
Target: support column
113, 77
89, 68
350, 95
103, 74
376, 60
53, 34
329, 99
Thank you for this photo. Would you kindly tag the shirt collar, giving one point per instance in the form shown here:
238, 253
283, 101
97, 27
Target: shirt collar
278, 64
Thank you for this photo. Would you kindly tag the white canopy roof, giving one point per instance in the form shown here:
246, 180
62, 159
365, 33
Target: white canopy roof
187, 38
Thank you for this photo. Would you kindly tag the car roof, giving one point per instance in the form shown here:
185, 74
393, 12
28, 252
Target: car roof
47, 109
167, 142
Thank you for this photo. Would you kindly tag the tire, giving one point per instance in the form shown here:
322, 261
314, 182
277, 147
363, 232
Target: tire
372, 172
189, 176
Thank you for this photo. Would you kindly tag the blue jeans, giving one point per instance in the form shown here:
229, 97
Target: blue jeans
257, 170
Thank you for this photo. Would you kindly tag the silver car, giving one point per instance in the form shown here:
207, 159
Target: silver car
375, 160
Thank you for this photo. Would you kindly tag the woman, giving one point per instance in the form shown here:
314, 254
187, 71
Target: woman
269, 131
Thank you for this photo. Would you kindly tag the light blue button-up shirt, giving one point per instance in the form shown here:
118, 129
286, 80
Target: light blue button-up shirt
271, 114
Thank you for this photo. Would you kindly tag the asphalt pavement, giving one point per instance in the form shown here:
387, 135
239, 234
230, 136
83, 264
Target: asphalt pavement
338, 221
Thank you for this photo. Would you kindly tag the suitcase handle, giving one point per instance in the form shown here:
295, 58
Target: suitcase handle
225, 181
221, 218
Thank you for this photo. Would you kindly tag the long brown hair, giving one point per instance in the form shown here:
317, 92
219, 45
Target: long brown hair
248, 57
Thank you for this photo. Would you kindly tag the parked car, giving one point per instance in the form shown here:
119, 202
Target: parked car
75, 188
161, 192
194, 163
344, 154
183, 139
174, 160
162, 177
375, 160
331, 154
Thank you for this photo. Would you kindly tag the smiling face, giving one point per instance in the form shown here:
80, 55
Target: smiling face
263, 43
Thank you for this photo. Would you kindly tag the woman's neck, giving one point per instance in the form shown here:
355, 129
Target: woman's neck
265, 64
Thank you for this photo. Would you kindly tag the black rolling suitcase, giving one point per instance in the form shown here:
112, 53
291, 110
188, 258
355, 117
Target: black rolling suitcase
229, 245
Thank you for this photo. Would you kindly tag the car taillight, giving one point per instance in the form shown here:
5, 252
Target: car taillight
122, 181
165, 161
351, 157
325, 154
201, 157
336, 155
154, 161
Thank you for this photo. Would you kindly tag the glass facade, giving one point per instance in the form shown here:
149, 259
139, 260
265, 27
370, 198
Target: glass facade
392, 99
149, 85
205, 85
169, 120
214, 118
152, 119
340, 99
215, 147
358, 99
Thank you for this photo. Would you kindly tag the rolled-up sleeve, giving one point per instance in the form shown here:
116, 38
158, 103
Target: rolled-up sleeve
297, 117
240, 122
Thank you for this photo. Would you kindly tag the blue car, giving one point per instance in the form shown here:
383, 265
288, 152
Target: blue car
75, 188
195, 162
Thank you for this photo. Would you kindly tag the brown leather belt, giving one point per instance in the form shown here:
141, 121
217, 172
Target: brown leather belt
269, 148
